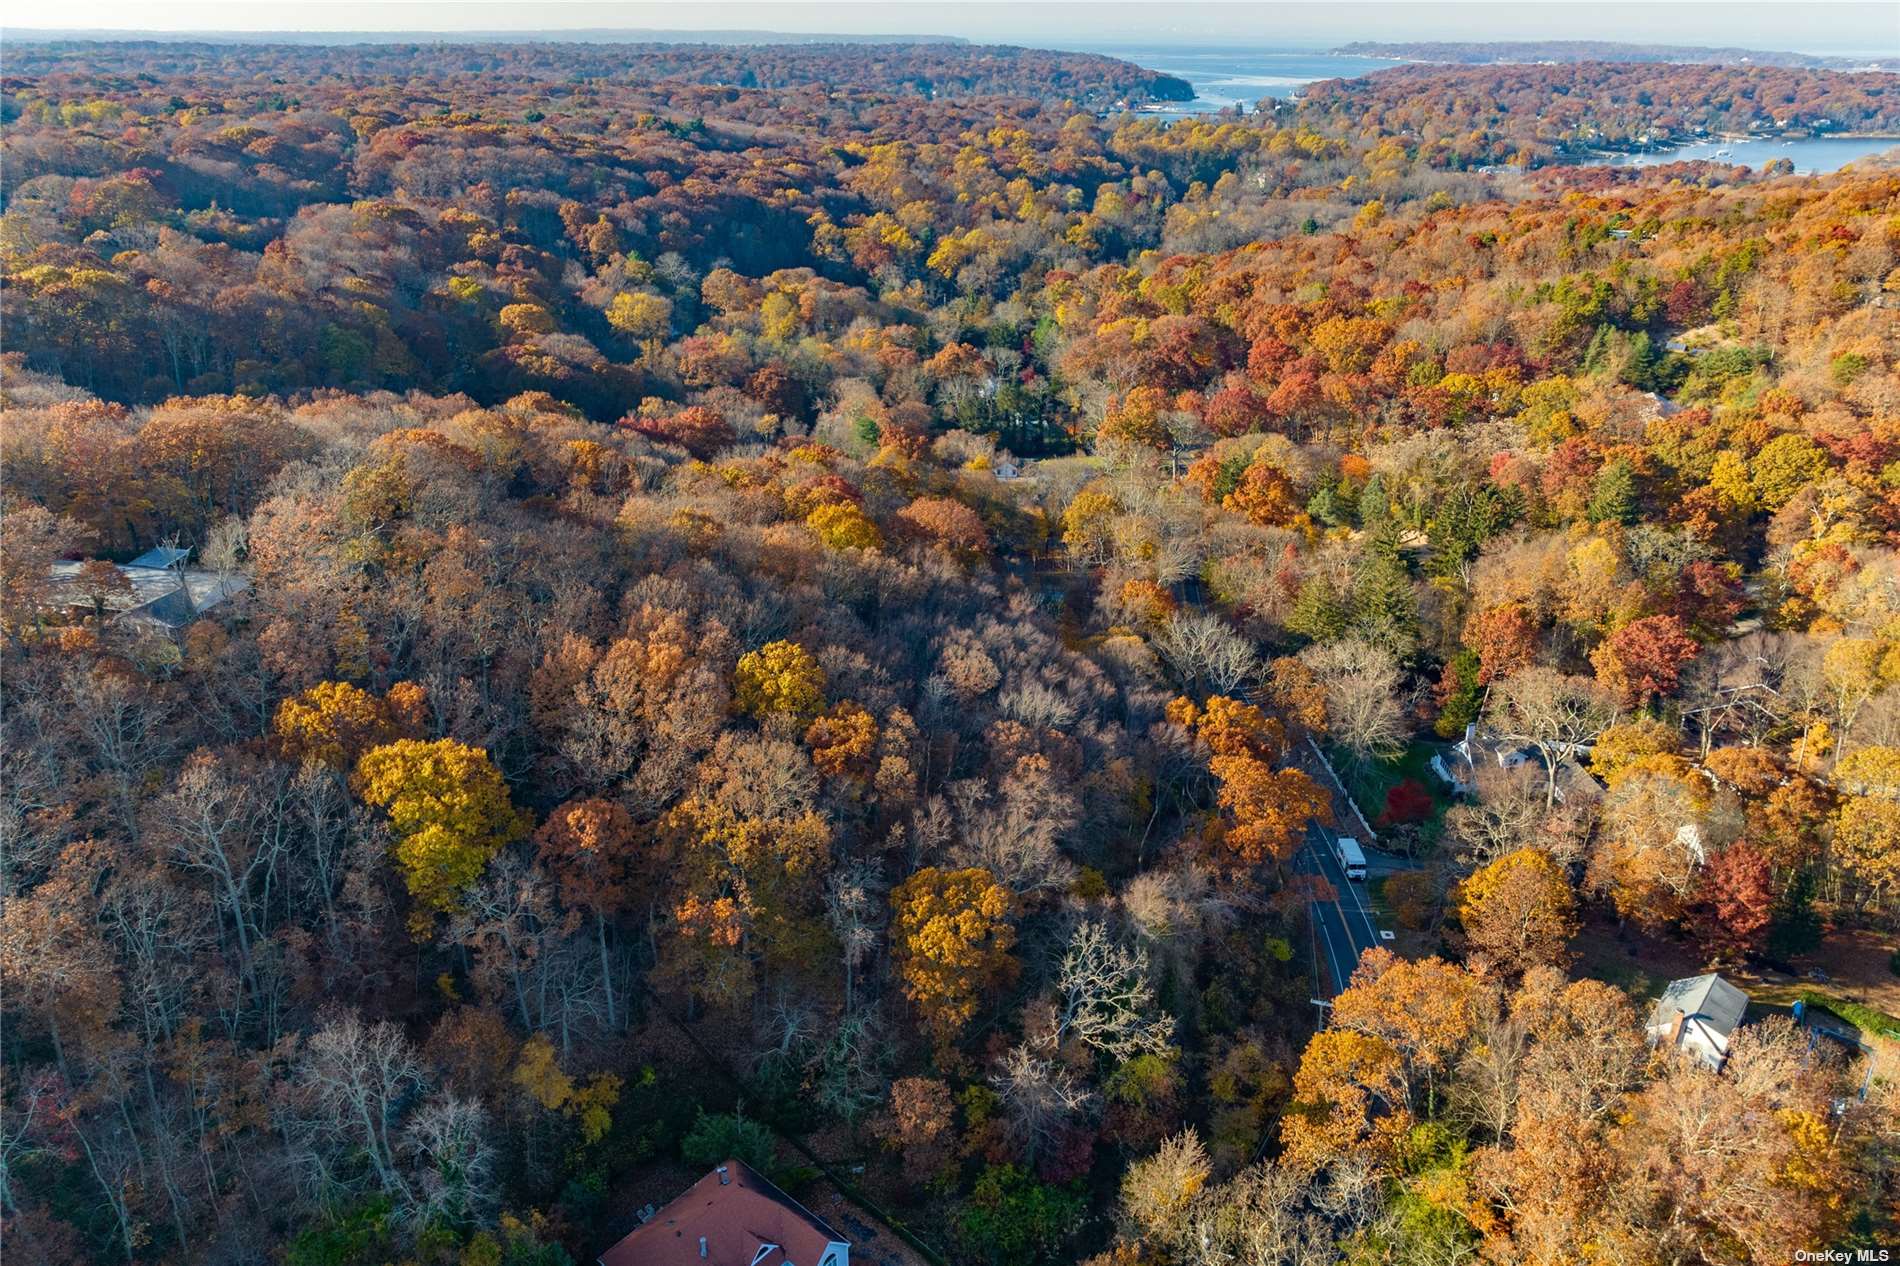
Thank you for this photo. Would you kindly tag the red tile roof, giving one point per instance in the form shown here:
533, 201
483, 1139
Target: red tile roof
742, 1219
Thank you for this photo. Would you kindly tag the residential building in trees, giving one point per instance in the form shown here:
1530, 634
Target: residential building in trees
733, 1216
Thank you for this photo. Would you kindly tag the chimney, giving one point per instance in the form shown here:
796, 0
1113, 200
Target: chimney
724, 1177
702, 1246
1675, 1029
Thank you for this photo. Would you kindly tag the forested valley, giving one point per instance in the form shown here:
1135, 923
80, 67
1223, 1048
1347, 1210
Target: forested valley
803, 604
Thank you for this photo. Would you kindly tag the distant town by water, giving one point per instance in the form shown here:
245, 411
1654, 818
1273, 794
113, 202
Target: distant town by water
1225, 78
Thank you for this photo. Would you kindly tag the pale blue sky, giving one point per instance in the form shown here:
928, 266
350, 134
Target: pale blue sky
1813, 26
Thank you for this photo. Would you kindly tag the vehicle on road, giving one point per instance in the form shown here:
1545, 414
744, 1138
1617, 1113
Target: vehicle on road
1352, 858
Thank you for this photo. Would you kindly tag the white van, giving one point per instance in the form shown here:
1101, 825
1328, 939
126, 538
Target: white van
1351, 859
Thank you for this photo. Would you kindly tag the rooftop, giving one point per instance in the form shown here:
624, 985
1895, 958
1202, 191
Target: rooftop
158, 594
1708, 997
160, 556
731, 1217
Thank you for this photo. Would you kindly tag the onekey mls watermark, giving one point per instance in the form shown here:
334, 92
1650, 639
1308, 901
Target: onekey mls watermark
1848, 1256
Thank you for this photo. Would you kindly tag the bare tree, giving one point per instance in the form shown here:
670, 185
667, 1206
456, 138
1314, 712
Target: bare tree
849, 1073
528, 950
1040, 1097
1588, 1049
1158, 1191
1283, 1215
1507, 810
351, 1083
446, 1144
1206, 654
213, 824
1361, 682
855, 909
1741, 690
124, 729
1174, 912
1484, 1094
1012, 832
1105, 998
1554, 712
225, 546
322, 812
30, 1123
35, 777
160, 929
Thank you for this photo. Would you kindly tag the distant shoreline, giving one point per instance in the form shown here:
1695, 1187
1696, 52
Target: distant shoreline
1571, 52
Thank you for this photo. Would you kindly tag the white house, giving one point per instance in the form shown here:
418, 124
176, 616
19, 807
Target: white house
1698, 1015
1460, 765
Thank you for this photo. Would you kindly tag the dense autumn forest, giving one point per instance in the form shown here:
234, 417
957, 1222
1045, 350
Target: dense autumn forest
789, 603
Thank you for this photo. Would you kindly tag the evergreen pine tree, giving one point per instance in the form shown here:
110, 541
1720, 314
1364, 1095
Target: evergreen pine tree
1384, 608
1460, 695
1613, 500
1374, 506
1326, 506
1462, 521
1318, 612
1597, 356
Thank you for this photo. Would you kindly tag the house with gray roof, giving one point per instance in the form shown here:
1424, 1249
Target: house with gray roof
160, 592
1461, 765
1698, 1015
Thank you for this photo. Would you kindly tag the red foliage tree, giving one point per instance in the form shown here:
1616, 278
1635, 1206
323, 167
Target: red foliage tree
948, 523
1738, 895
1406, 801
1235, 410
697, 429
1505, 639
1708, 598
1645, 658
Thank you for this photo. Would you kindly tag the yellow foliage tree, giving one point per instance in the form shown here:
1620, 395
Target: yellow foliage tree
1230, 727
1867, 842
844, 526
526, 318
1266, 809
1146, 602
335, 722
1784, 466
1622, 747
539, 1074
1088, 526
778, 316
843, 741
1519, 911
1348, 1098
449, 809
952, 938
780, 679
1265, 495
766, 864
640, 316
1136, 421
